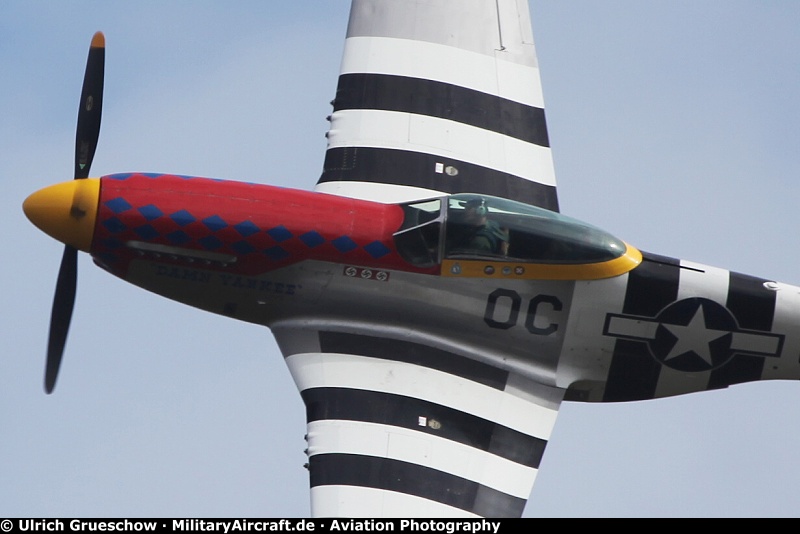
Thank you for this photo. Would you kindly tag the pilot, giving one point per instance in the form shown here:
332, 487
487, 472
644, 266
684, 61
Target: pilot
480, 234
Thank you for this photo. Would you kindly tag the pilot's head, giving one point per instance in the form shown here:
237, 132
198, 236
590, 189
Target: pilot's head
475, 210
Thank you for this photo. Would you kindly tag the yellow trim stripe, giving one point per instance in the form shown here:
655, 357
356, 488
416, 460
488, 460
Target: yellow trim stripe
517, 270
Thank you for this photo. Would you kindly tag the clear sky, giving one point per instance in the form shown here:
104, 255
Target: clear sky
675, 124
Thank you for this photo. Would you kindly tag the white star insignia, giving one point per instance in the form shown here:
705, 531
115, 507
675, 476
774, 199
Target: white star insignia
694, 337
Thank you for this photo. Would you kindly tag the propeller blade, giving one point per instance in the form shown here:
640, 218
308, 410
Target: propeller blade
86, 135
91, 107
61, 315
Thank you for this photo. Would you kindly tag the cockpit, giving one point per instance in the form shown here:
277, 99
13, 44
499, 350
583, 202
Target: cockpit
480, 227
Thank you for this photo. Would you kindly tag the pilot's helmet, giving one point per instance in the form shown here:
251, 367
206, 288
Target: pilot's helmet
476, 203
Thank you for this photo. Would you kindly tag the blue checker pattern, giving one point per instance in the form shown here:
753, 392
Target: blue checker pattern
243, 247
114, 225
312, 239
178, 237
182, 218
118, 205
151, 212
280, 234
215, 223
146, 232
251, 235
246, 228
344, 244
122, 176
376, 249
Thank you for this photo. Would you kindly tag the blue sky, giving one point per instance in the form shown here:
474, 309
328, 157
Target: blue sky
674, 124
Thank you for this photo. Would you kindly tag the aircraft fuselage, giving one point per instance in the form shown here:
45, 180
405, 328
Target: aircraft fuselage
282, 258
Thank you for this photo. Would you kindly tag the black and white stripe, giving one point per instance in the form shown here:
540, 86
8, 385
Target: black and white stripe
427, 108
394, 166
634, 374
444, 101
396, 428
412, 479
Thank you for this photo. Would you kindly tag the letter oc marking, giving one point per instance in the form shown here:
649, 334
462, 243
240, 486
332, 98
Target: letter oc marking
533, 309
491, 305
515, 301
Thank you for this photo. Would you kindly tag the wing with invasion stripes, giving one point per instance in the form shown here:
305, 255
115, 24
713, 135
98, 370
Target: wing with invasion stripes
439, 97
398, 429
434, 97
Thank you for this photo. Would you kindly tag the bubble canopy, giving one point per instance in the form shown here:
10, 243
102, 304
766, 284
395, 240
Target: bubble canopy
472, 226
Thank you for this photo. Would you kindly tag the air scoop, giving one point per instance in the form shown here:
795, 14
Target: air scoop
66, 211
